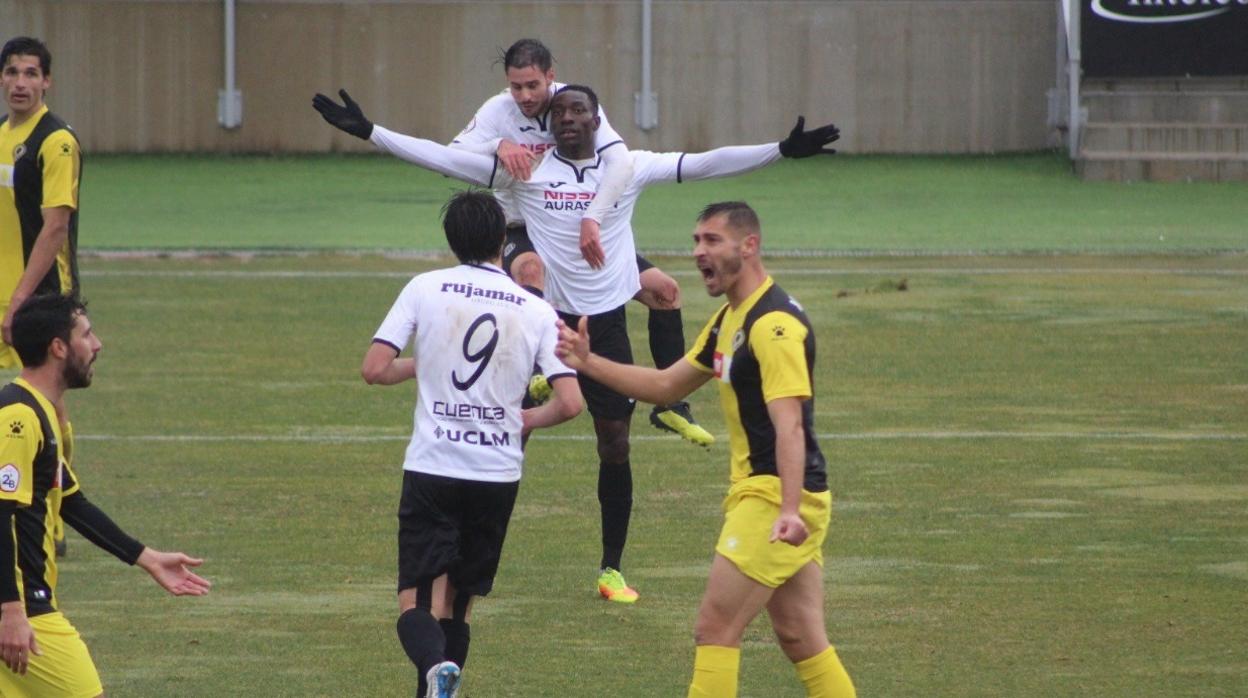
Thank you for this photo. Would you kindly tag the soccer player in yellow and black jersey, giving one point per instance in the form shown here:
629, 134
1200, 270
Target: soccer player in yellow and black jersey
42, 653
40, 165
760, 348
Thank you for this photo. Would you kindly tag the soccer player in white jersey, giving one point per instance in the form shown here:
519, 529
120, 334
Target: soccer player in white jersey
515, 125
552, 202
477, 337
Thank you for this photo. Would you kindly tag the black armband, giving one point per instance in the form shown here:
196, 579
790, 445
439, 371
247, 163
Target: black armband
95, 526
8, 552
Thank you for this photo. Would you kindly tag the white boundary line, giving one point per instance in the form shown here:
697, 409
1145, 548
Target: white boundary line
859, 436
328, 274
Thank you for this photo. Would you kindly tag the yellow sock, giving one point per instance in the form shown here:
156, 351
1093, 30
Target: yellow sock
715, 672
824, 677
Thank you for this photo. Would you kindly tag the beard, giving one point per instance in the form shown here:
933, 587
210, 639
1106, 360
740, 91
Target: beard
76, 374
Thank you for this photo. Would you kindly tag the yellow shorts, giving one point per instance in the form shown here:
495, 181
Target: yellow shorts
64, 670
750, 510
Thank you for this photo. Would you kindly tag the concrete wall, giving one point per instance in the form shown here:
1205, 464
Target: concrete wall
944, 76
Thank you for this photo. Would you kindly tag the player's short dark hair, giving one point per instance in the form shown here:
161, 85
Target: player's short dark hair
741, 217
27, 46
475, 226
593, 96
41, 319
528, 52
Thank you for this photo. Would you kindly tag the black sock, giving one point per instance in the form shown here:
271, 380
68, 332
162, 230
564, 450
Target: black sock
534, 290
422, 640
667, 337
457, 638
615, 496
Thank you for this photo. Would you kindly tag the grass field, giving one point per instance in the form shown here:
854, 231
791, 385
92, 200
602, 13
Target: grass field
1038, 465
843, 203
1037, 459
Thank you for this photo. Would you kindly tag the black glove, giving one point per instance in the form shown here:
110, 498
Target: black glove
803, 144
346, 116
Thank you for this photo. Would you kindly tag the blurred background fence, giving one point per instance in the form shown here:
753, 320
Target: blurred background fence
914, 76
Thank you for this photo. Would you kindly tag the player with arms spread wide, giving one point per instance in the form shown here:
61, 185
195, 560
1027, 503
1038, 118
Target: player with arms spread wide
516, 126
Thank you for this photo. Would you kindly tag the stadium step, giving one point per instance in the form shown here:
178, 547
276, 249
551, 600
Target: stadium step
1168, 100
1165, 129
1135, 166
1177, 106
1182, 137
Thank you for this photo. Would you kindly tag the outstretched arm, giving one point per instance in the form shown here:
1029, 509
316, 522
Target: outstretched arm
639, 382
168, 569
462, 165
739, 159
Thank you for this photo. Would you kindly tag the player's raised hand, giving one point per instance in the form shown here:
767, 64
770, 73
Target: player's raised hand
789, 528
170, 570
346, 116
516, 159
573, 346
802, 143
591, 244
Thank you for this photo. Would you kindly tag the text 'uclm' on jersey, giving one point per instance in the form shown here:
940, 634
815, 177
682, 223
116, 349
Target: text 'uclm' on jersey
566, 200
468, 291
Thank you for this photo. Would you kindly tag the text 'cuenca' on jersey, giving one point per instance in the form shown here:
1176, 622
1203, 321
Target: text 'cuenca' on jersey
477, 337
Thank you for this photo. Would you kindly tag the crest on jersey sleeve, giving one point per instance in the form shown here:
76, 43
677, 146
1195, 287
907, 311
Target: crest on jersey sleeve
10, 478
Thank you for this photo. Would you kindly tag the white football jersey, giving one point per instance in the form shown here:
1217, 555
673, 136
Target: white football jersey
553, 201
477, 337
500, 117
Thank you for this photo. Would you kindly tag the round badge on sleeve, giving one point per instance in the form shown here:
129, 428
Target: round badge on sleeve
10, 478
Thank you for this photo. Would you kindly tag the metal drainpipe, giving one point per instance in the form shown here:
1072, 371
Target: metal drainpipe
1074, 74
229, 99
646, 102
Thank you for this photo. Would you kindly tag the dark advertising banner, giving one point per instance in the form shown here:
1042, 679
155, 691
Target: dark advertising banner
1164, 38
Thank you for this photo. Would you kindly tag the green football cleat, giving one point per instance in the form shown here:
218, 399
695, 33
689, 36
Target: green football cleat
539, 388
612, 587
677, 419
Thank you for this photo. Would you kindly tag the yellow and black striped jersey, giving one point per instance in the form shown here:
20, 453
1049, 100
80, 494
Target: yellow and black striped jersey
40, 166
761, 351
35, 474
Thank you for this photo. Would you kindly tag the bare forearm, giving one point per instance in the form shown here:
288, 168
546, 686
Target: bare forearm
394, 372
790, 465
51, 239
639, 382
566, 404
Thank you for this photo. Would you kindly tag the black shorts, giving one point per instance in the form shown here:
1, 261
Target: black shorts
453, 527
515, 244
608, 338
